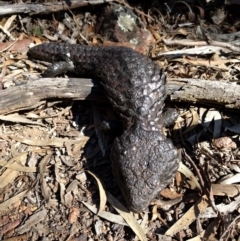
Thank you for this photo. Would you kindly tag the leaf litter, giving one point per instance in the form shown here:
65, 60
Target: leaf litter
45, 151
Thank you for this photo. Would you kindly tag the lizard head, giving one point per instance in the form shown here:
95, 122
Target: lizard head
143, 163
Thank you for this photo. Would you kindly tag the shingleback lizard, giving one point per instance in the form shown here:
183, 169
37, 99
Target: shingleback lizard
143, 160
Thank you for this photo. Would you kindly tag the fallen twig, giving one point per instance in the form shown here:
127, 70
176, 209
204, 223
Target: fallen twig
203, 50
46, 8
220, 94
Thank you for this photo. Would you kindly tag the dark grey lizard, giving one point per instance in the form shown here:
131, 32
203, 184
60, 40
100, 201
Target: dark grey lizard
143, 160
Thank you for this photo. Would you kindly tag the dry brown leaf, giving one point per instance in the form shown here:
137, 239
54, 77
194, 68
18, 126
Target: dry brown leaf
7, 62
231, 178
43, 183
218, 61
73, 215
68, 199
166, 205
235, 167
188, 173
7, 26
157, 215
13, 74
16, 45
9, 22
170, 194
194, 121
222, 208
32, 221
73, 186
19, 119
102, 193
56, 142
77, 147
202, 50
9, 175
106, 215
82, 177
189, 216
17, 238
17, 204
154, 213
224, 143
131, 221
155, 33
9, 202
10, 226
14, 164
208, 63
225, 190
36, 40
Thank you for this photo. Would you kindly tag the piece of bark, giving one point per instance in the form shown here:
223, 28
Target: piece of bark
28, 95
45, 8
230, 2
207, 92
